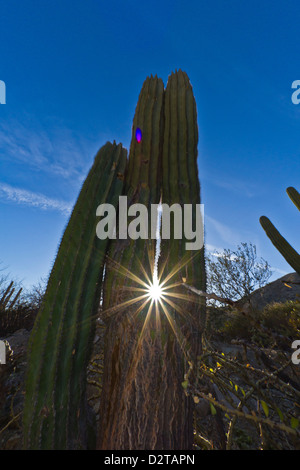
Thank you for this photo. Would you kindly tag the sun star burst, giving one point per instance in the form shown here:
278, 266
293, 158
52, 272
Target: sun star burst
154, 290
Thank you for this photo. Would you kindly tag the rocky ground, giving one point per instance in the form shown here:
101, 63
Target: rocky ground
12, 385
12, 376
245, 366
210, 430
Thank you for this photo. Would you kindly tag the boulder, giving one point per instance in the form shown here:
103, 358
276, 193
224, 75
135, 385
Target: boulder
283, 289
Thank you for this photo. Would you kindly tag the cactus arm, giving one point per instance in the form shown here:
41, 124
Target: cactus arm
294, 196
287, 251
58, 348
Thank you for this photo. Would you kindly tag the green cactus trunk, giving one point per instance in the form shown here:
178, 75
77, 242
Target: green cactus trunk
55, 411
125, 380
149, 346
181, 183
282, 245
181, 186
143, 404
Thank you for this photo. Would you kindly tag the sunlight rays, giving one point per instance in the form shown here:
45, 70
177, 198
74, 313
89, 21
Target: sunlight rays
153, 297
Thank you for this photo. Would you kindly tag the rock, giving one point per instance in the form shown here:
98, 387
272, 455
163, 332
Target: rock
12, 390
18, 341
283, 289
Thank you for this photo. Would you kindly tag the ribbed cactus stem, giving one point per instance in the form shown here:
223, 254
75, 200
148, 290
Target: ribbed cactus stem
180, 185
142, 184
282, 245
180, 176
287, 251
119, 415
294, 196
59, 348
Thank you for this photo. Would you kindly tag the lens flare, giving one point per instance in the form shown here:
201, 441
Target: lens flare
138, 135
155, 290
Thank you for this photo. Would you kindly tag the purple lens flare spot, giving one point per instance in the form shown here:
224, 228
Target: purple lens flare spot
138, 135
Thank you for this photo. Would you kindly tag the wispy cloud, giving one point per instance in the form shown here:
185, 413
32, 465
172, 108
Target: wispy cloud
224, 233
242, 188
56, 150
280, 271
29, 198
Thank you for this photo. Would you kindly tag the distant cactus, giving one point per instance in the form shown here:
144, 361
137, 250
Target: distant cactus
6, 298
55, 406
294, 196
12, 314
287, 251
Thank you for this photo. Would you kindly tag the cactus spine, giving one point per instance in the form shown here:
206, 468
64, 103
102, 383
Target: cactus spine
282, 245
54, 411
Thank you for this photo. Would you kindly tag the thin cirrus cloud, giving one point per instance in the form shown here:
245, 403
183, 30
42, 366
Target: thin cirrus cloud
29, 198
246, 189
225, 233
59, 151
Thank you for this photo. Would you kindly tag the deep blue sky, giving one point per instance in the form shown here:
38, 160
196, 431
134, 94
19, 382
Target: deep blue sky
73, 72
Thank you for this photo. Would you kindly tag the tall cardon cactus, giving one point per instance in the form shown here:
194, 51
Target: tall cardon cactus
55, 412
149, 344
143, 404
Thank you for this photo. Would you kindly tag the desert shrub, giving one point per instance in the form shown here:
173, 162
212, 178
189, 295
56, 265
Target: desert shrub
18, 308
237, 326
235, 274
284, 318
276, 322
16, 318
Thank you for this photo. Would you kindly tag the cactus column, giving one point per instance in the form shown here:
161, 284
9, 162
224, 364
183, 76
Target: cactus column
55, 403
143, 405
127, 408
180, 185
